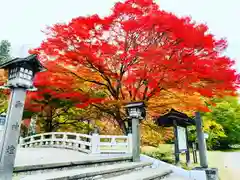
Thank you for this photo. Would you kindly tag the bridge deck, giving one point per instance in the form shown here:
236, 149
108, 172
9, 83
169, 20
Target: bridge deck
40, 156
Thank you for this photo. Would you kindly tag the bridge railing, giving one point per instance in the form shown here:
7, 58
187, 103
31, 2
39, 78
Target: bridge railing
111, 144
81, 142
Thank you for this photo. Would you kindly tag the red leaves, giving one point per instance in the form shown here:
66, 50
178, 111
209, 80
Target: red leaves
136, 52
56, 83
135, 7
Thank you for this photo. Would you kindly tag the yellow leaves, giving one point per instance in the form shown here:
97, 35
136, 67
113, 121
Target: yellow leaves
153, 135
108, 127
162, 103
213, 128
3, 76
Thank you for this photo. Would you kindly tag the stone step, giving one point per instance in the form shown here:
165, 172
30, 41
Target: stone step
145, 174
89, 161
97, 172
176, 177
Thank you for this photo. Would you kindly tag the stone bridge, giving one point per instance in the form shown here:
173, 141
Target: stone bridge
61, 155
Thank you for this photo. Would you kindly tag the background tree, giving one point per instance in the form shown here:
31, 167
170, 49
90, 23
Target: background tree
227, 114
139, 52
5, 47
214, 130
222, 123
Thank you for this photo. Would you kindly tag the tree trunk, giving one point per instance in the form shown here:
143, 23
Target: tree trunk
32, 126
121, 122
123, 127
47, 125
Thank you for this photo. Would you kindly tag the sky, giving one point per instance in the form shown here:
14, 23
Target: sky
22, 21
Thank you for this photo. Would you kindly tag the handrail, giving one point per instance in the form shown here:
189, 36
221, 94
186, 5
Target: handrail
81, 142
67, 133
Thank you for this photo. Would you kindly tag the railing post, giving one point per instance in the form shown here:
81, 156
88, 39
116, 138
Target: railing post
41, 140
20, 142
31, 141
129, 143
113, 141
77, 142
64, 142
52, 140
95, 143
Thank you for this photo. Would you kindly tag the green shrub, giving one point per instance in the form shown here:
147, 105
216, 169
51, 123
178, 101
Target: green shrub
162, 152
161, 156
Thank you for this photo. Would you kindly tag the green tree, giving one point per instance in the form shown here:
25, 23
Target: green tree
222, 124
4, 50
214, 130
227, 114
56, 115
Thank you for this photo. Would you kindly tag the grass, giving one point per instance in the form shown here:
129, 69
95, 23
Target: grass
163, 148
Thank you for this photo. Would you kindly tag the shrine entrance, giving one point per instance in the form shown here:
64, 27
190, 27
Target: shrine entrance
180, 122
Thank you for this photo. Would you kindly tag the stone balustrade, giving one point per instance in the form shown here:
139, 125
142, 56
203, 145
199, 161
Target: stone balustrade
95, 143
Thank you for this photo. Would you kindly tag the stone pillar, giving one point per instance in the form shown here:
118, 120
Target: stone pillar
201, 142
135, 140
11, 133
211, 173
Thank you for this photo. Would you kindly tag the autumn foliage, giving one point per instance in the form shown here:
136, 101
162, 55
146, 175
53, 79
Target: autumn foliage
138, 52
55, 83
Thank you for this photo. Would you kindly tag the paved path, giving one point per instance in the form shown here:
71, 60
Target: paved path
27, 156
228, 164
232, 165
36, 156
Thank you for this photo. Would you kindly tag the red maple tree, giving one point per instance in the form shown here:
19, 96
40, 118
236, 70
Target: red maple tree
137, 52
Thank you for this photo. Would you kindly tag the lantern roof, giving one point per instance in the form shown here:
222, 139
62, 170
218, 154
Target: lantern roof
135, 104
30, 60
168, 119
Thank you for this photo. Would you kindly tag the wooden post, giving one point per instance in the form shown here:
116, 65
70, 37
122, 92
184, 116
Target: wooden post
194, 152
176, 146
187, 152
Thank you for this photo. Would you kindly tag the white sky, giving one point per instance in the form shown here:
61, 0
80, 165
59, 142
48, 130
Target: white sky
23, 20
